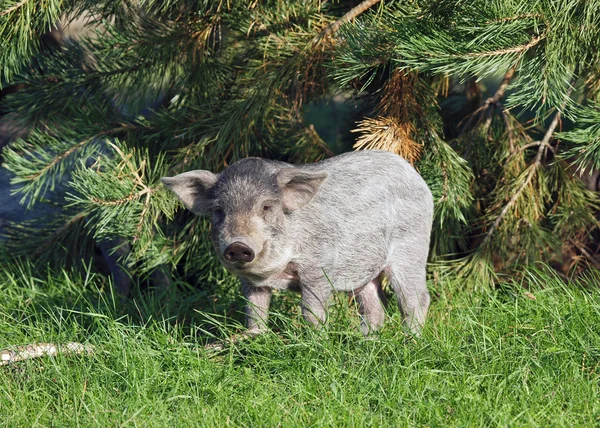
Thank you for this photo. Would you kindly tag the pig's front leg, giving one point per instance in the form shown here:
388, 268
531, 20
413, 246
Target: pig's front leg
257, 309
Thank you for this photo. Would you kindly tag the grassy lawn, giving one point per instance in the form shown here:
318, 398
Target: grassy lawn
526, 355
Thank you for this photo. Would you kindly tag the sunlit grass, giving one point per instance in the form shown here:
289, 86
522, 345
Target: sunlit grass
525, 355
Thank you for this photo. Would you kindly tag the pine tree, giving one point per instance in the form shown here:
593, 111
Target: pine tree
473, 93
527, 202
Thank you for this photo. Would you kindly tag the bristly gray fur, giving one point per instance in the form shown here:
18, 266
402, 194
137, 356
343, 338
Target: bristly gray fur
336, 225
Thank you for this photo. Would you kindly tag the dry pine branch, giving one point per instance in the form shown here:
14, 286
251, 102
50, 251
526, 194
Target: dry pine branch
388, 133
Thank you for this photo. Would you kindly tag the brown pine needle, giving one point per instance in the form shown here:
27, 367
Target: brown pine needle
388, 133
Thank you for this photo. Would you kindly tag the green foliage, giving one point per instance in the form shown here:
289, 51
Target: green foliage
44, 160
528, 204
157, 88
585, 138
22, 23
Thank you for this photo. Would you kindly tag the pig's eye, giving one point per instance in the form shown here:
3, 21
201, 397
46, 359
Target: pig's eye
267, 208
218, 214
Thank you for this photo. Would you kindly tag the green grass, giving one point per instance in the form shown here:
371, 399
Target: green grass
528, 355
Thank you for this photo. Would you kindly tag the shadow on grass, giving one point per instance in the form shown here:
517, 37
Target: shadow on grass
73, 305
31, 299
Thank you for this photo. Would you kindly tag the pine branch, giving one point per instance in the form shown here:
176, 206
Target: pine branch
518, 17
57, 160
389, 134
58, 232
290, 78
584, 139
499, 94
537, 162
516, 49
21, 26
14, 7
587, 255
491, 101
317, 141
349, 16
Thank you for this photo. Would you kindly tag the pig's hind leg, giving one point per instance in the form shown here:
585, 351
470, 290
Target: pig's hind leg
371, 306
407, 274
315, 301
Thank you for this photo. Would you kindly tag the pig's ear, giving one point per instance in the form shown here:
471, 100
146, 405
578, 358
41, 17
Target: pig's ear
192, 188
299, 186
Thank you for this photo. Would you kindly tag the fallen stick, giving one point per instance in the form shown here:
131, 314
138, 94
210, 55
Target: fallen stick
36, 350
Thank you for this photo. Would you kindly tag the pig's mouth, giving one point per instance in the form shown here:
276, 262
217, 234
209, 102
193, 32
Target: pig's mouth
241, 266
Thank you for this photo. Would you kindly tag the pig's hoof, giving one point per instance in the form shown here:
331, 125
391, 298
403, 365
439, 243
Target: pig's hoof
215, 347
236, 338
254, 332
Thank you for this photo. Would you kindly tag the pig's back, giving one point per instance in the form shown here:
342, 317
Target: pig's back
369, 179
370, 201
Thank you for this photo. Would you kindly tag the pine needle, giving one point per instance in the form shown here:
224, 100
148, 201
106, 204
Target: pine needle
388, 133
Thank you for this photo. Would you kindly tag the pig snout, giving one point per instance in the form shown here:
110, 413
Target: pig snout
238, 252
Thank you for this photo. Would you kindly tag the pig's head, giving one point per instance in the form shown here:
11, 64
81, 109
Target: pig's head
251, 203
